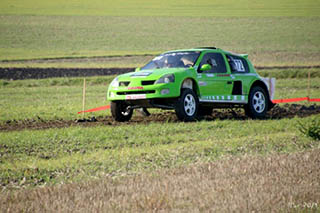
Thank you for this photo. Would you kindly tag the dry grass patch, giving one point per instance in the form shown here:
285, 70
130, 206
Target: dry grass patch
286, 182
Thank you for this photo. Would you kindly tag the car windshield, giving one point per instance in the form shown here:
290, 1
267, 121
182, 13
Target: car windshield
173, 60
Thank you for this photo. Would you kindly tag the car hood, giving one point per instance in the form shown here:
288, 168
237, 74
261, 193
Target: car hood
151, 74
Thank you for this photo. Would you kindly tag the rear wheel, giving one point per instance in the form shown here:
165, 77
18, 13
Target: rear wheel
187, 105
257, 104
120, 111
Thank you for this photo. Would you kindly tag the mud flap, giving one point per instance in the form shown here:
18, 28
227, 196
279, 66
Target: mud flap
271, 85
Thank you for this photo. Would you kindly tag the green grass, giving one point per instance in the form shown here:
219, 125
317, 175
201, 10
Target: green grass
33, 158
162, 8
51, 98
268, 40
293, 88
61, 98
272, 32
292, 73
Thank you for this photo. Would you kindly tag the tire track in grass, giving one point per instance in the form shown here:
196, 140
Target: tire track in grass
278, 112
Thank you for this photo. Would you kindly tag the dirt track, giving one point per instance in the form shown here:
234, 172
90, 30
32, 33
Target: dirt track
38, 73
278, 112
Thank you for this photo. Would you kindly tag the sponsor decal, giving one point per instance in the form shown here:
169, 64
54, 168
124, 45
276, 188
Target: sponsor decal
157, 58
210, 75
224, 99
141, 74
135, 97
132, 88
202, 83
223, 75
246, 74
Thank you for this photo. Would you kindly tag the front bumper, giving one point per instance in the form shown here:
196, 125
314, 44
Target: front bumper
169, 90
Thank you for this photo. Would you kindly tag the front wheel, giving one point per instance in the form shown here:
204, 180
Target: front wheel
120, 111
187, 105
257, 104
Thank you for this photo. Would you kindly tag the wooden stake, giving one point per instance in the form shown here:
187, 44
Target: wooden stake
83, 97
308, 84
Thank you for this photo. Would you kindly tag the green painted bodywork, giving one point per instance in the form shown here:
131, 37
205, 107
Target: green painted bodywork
206, 85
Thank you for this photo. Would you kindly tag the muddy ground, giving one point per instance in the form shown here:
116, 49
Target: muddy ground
39, 73
278, 112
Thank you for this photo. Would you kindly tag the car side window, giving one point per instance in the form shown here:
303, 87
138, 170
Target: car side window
237, 64
216, 62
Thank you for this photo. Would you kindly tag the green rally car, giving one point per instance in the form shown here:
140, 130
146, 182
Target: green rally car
192, 82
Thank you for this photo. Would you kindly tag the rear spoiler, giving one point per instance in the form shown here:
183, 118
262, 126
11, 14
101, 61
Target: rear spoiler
244, 55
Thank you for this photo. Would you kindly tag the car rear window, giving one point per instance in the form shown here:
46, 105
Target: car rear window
237, 64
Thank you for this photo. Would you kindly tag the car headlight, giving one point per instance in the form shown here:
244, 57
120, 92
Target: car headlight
115, 82
169, 78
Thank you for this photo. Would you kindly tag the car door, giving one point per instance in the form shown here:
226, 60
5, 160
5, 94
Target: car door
240, 72
216, 83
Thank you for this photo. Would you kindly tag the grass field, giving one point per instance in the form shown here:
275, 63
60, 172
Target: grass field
33, 158
280, 182
267, 40
273, 32
77, 155
162, 8
51, 98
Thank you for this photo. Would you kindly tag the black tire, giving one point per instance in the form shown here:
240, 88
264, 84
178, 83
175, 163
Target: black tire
187, 105
258, 103
205, 110
120, 111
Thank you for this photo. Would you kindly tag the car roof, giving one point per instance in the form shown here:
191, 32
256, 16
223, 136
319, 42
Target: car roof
210, 49
196, 49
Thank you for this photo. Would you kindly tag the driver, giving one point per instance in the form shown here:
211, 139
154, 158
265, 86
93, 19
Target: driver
173, 61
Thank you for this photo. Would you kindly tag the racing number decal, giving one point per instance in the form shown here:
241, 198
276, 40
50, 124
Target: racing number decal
239, 65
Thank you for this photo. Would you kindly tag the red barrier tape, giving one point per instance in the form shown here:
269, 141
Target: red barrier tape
314, 100
96, 109
289, 100
277, 101
296, 100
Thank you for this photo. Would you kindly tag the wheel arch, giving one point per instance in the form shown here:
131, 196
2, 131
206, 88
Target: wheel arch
261, 84
264, 86
190, 81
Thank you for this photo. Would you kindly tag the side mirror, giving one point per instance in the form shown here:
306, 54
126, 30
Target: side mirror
205, 67
137, 69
